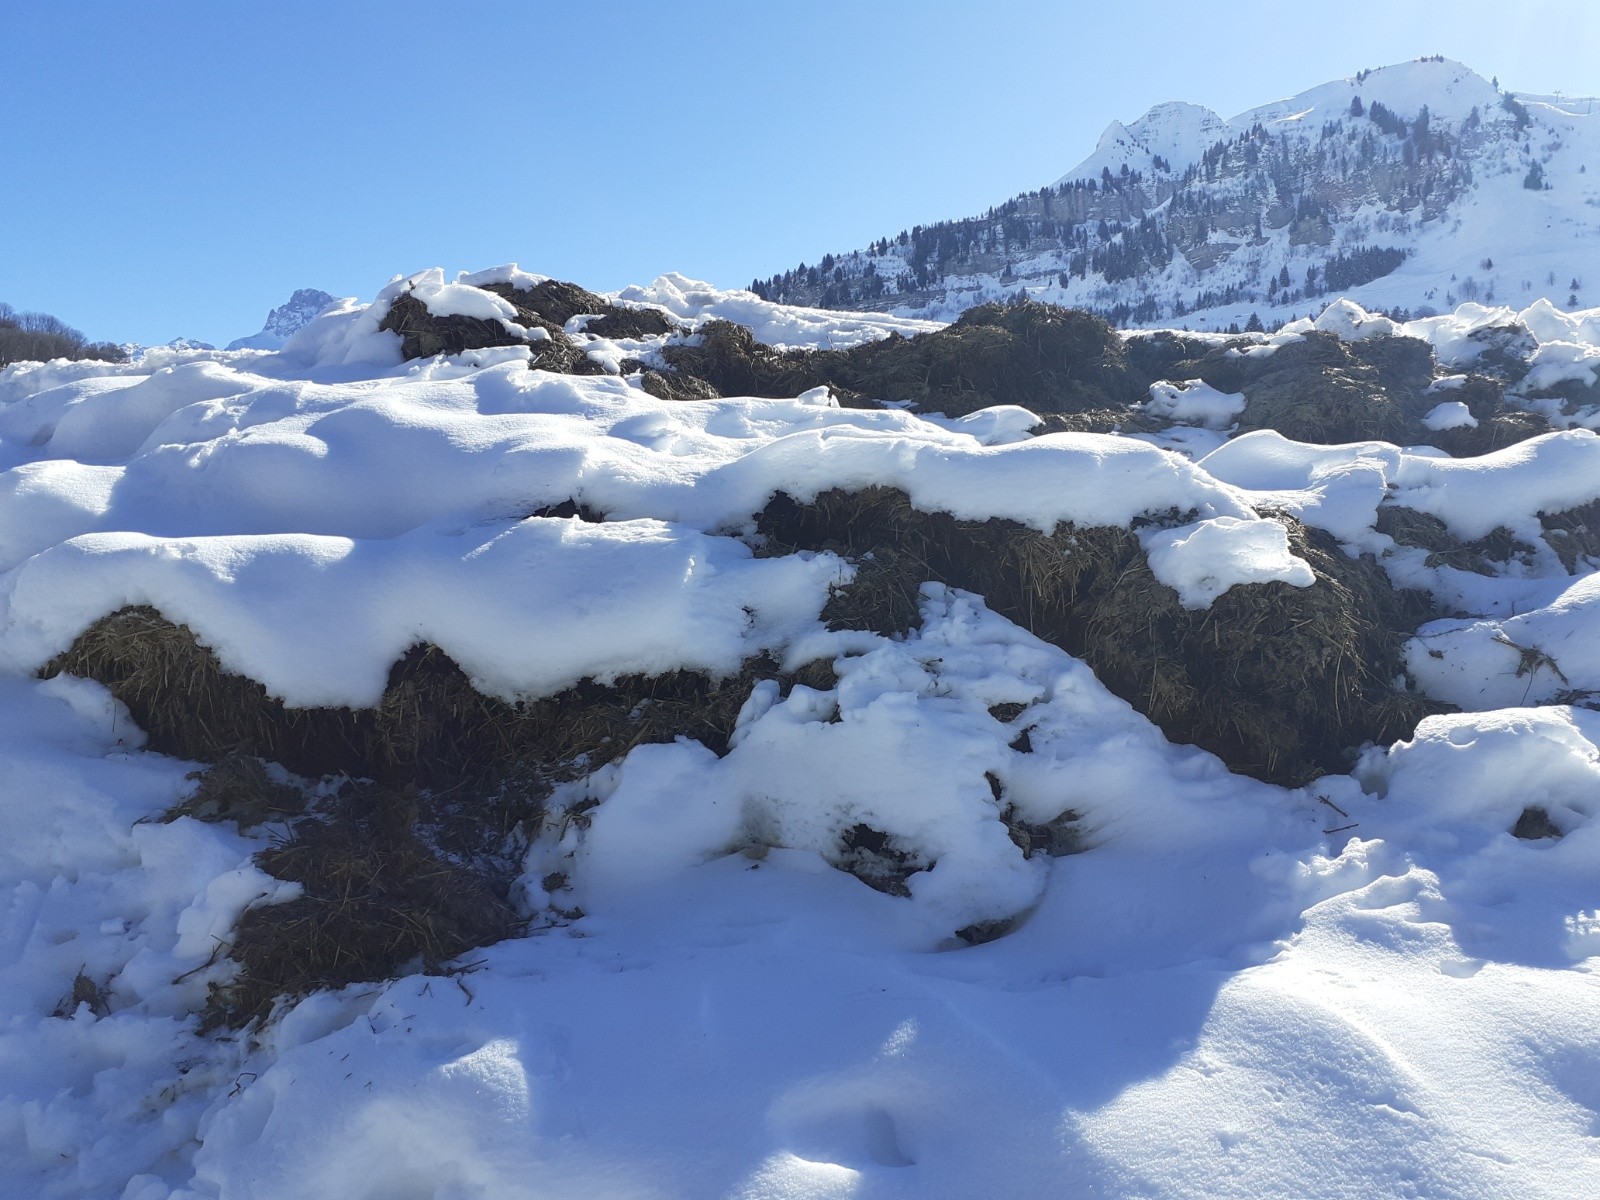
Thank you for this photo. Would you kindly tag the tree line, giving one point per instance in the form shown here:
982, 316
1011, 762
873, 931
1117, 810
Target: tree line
39, 337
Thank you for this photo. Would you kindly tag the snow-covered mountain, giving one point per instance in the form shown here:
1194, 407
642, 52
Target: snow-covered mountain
1413, 187
286, 320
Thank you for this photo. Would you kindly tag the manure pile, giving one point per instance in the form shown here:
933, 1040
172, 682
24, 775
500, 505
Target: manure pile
1278, 681
1069, 367
409, 848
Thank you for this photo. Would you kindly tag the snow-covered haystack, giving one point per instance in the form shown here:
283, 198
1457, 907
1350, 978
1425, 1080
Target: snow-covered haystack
420, 739
1279, 676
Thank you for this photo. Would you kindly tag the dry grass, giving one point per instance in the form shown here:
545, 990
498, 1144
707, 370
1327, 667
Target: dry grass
411, 866
1048, 359
239, 787
431, 726
1421, 530
85, 990
423, 335
1574, 535
1278, 681
377, 900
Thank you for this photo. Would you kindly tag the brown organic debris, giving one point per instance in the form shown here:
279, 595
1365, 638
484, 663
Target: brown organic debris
1278, 681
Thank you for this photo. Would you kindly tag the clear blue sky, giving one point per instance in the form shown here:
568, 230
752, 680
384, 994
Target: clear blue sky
179, 168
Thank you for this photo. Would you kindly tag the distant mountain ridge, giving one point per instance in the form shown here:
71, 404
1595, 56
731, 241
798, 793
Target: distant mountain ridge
1410, 188
285, 321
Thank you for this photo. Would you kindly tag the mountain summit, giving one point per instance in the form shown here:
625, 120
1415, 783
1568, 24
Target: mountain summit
1410, 188
285, 320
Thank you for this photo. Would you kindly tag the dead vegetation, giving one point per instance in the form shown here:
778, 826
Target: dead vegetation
1278, 681
85, 991
412, 862
1045, 358
1534, 825
1574, 535
377, 900
1323, 390
411, 865
547, 307
431, 727
1068, 366
1420, 530
241, 788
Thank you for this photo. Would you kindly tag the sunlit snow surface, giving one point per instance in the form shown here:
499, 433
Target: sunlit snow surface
1365, 988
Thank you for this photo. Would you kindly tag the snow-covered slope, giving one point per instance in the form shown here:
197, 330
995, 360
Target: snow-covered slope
1415, 187
1366, 986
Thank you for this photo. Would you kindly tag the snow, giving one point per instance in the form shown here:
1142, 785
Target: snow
319, 620
1481, 663
1450, 414
1350, 322
1550, 473
1478, 232
781, 325
1194, 402
1203, 560
1364, 987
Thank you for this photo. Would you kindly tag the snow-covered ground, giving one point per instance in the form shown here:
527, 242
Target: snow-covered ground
1364, 987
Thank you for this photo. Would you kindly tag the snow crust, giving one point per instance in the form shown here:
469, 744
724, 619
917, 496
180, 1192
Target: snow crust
1367, 986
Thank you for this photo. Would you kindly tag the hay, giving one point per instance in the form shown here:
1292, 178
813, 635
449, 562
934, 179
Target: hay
1100, 420
423, 335
414, 865
1278, 681
553, 303
1481, 556
239, 787
568, 509
1318, 391
377, 901
1575, 536
877, 860
431, 726
1323, 390
547, 306
85, 990
1046, 358
670, 385
1534, 825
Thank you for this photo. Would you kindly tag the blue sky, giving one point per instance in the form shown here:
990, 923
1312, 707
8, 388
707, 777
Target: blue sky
179, 168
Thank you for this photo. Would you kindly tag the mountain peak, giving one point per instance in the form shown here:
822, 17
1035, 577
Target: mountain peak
1408, 187
285, 320
1448, 89
1175, 132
